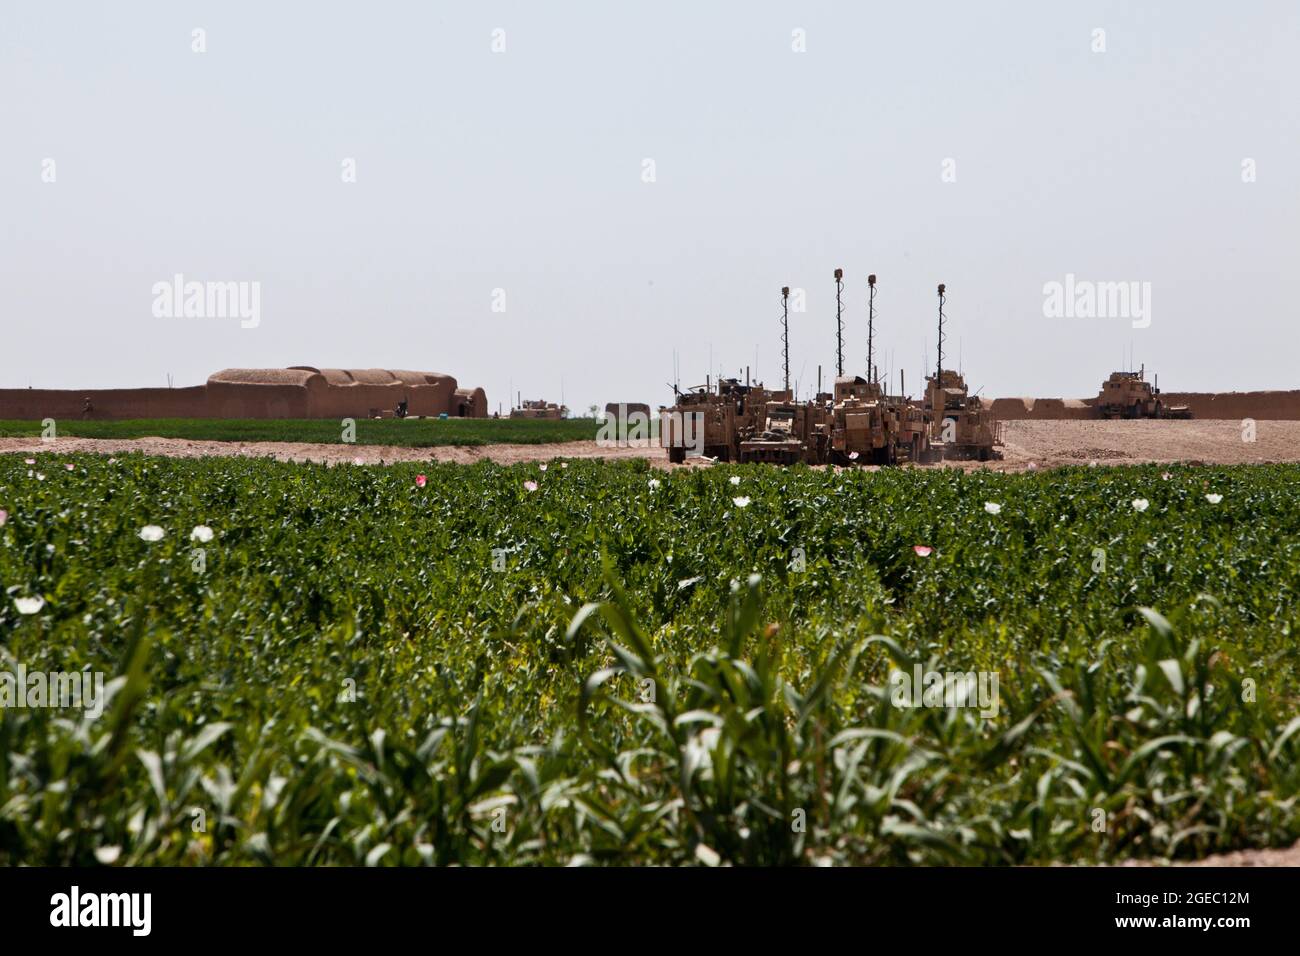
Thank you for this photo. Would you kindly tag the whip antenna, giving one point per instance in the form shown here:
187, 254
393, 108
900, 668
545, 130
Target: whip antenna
871, 327
939, 371
839, 323
785, 333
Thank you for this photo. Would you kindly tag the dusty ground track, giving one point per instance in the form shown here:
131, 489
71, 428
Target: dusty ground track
1044, 443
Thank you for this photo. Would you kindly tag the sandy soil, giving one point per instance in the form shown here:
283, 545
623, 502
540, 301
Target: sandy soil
1044, 444
1270, 858
328, 454
1216, 442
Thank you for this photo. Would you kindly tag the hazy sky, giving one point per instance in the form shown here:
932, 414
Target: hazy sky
524, 171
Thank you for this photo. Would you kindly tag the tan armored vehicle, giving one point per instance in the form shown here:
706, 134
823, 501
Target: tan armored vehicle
1130, 395
776, 444
814, 429
960, 425
909, 425
867, 425
858, 427
774, 428
871, 428
792, 432
538, 409
715, 422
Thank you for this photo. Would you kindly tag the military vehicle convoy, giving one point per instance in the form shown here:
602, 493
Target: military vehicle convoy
857, 423
1130, 395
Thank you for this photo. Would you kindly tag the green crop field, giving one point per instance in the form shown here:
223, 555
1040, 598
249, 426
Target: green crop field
410, 432
601, 663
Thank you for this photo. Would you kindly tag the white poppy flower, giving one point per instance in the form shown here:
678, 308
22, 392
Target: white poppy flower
151, 532
29, 605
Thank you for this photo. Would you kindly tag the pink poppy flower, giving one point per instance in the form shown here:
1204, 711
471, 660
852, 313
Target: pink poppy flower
29, 461
4, 516
922, 549
420, 481
70, 467
530, 485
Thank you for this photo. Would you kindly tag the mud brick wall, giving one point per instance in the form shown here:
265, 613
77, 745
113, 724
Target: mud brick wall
1262, 406
238, 393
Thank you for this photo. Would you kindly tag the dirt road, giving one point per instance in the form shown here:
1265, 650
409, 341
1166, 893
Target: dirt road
326, 454
1044, 444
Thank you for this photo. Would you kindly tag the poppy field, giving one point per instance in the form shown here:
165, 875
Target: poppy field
595, 663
